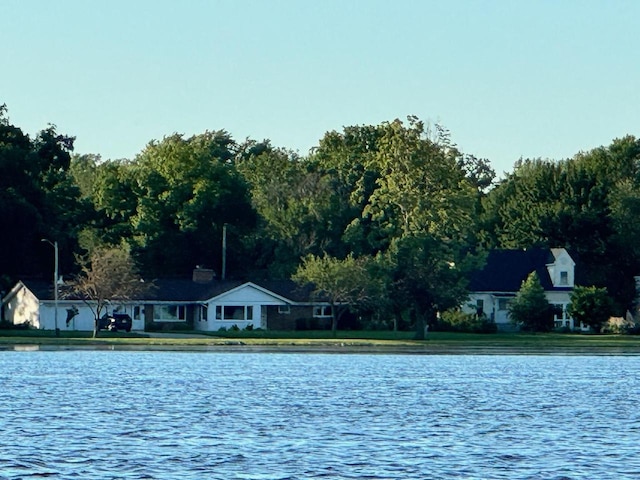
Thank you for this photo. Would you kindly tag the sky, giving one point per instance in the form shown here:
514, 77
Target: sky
509, 79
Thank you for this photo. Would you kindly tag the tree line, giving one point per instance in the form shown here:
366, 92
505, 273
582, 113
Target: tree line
391, 217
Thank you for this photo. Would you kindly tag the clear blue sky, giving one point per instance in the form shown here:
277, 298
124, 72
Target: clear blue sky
507, 78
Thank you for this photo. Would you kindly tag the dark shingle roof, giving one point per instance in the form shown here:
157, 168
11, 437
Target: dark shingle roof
43, 290
505, 270
186, 290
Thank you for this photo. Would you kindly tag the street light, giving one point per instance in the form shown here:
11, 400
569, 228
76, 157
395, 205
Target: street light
55, 283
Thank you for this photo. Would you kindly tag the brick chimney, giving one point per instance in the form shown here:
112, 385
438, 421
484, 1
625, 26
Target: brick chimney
203, 275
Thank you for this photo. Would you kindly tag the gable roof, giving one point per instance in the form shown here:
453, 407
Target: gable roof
41, 289
505, 270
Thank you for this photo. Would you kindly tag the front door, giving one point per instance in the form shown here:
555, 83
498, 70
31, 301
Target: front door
137, 317
263, 316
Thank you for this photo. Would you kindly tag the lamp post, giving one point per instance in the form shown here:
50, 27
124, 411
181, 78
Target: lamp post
55, 283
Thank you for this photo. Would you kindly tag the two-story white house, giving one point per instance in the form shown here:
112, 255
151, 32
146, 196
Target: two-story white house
492, 288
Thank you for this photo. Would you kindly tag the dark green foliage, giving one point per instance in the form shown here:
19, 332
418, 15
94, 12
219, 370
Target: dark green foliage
530, 309
38, 199
591, 306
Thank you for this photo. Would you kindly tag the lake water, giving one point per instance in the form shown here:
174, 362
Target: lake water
180, 415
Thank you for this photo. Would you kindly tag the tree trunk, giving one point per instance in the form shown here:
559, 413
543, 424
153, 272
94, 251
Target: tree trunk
418, 321
95, 327
397, 319
334, 325
336, 315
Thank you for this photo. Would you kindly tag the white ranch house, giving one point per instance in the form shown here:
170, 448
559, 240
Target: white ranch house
202, 303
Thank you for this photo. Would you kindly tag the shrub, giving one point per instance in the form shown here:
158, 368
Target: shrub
591, 306
457, 321
616, 325
635, 330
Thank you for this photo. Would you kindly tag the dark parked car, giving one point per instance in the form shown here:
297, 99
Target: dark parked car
115, 322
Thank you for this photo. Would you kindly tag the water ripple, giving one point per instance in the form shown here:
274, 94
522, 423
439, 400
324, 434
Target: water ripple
167, 415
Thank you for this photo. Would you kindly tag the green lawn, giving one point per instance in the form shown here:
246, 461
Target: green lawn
437, 342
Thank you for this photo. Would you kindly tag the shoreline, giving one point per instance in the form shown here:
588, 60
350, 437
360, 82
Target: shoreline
335, 349
437, 343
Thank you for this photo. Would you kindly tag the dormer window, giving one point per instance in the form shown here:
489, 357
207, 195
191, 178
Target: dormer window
564, 278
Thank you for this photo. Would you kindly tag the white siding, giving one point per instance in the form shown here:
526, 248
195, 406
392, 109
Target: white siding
245, 296
22, 308
562, 270
492, 305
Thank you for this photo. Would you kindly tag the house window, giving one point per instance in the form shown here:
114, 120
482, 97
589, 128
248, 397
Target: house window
137, 312
322, 311
234, 312
285, 309
558, 311
557, 315
503, 303
564, 278
204, 312
480, 307
170, 313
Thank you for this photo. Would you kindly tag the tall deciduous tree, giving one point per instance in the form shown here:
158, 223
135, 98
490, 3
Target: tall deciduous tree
421, 188
295, 204
187, 190
423, 208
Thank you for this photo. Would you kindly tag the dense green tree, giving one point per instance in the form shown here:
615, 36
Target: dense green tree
425, 275
84, 171
346, 160
186, 191
421, 188
37, 199
408, 203
115, 201
591, 306
530, 309
295, 205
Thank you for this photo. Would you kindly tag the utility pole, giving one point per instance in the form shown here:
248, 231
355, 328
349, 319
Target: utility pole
55, 283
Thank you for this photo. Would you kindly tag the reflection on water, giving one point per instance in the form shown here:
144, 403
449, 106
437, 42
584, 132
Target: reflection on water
168, 415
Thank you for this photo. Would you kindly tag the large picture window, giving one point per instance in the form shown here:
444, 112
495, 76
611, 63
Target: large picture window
170, 313
234, 312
